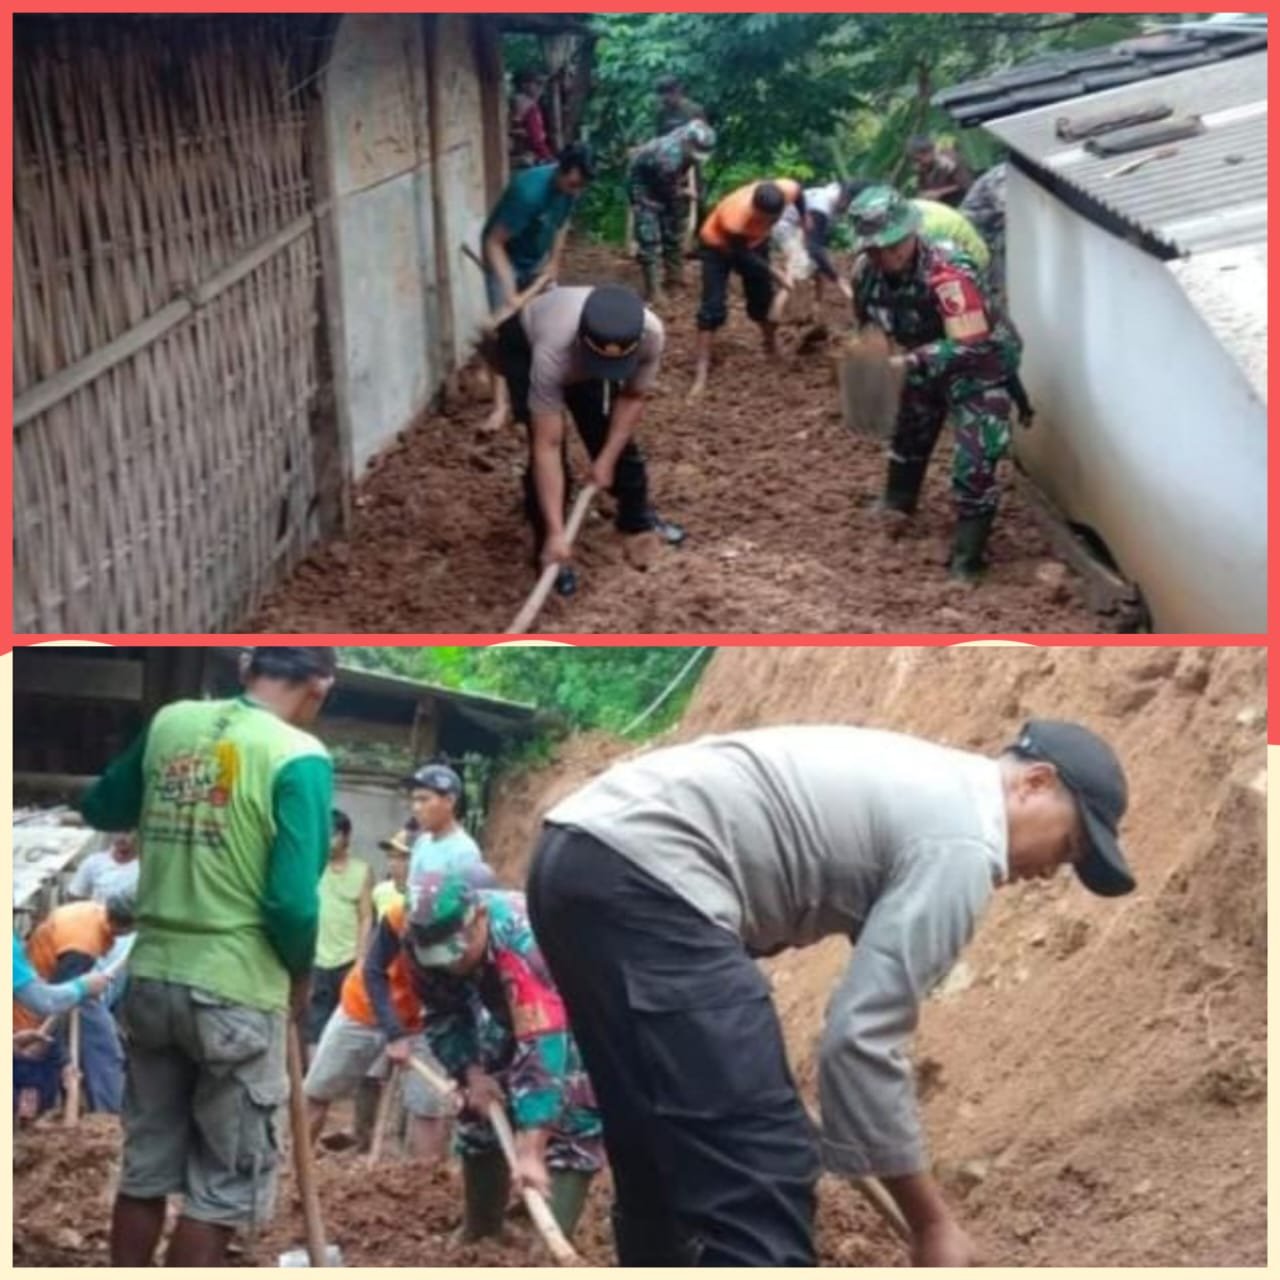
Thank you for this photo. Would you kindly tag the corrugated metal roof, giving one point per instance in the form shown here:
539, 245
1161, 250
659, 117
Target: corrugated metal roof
1061, 76
1210, 194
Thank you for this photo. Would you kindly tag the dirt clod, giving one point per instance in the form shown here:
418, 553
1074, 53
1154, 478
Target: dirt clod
762, 458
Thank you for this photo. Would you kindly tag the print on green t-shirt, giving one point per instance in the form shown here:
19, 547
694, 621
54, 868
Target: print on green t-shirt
207, 828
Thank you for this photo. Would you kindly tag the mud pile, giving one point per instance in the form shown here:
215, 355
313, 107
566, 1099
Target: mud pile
1093, 1072
771, 487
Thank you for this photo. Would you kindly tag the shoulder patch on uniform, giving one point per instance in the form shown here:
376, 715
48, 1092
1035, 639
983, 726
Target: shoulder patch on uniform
951, 296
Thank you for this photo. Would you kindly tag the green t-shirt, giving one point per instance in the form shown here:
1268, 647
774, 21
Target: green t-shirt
340, 893
940, 221
532, 209
232, 807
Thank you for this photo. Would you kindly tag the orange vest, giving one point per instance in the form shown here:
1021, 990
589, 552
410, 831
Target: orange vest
355, 995
734, 216
79, 926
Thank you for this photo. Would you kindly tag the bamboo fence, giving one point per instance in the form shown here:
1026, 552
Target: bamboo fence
166, 322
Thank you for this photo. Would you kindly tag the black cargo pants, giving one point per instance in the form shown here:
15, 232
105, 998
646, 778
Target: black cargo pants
588, 408
713, 1156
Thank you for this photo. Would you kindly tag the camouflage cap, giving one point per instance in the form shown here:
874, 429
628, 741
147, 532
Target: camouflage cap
441, 905
882, 216
700, 136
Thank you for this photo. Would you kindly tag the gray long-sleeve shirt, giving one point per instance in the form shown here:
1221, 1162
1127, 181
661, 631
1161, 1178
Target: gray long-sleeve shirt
788, 835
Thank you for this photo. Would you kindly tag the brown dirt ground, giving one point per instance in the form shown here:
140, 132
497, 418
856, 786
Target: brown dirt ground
769, 484
1092, 1073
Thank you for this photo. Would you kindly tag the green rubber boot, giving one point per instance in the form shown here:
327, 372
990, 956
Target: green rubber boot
967, 550
569, 1190
486, 1186
902, 487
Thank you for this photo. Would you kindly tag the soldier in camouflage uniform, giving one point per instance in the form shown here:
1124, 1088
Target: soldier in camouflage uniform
655, 183
958, 357
496, 1023
673, 110
940, 173
983, 205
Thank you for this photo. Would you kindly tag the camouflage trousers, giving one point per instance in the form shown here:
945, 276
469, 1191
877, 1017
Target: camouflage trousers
996, 282
980, 415
658, 223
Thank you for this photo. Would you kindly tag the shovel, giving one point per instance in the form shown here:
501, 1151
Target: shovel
71, 1116
538, 596
522, 299
385, 1104
315, 1254
870, 387
539, 1211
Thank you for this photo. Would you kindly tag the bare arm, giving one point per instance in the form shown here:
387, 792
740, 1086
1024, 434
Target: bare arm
557, 253
364, 916
548, 472
495, 254
628, 406
938, 1240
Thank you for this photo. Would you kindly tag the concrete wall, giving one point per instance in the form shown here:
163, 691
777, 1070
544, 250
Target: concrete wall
386, 356
1147, 429
461, 168
377, 810
385, 289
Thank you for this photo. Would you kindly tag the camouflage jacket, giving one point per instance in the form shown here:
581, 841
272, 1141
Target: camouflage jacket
656, 168
983, 204
508, 1018
667, 118
939, 312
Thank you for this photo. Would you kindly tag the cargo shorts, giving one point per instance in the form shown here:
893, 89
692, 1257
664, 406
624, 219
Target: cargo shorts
205, 1080
349, 1050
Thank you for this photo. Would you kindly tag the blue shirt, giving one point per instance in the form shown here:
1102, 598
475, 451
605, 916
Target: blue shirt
22, 970
44, 999
450, 852
532, 209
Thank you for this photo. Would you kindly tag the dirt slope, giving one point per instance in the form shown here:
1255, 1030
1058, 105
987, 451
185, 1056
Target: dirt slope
1094, 1072
767, 481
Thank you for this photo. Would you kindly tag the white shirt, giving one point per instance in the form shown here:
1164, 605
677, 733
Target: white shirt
100, 875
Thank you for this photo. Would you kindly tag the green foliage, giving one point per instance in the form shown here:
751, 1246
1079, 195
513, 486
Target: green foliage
808, 95
584, 687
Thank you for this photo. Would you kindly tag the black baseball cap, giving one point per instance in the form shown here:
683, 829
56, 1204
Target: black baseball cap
610, 330
435, 777
1091, 772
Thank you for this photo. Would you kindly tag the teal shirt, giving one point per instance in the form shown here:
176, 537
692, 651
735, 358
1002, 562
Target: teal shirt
452, 852
532, 210
44, 999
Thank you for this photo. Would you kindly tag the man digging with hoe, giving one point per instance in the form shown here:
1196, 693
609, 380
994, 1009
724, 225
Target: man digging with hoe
654, 889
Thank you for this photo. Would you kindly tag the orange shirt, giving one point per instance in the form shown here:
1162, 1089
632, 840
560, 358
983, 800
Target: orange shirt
734, 216
355, 995
79, 926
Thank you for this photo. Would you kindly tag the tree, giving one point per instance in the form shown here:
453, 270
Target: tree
808, 95
587, 687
